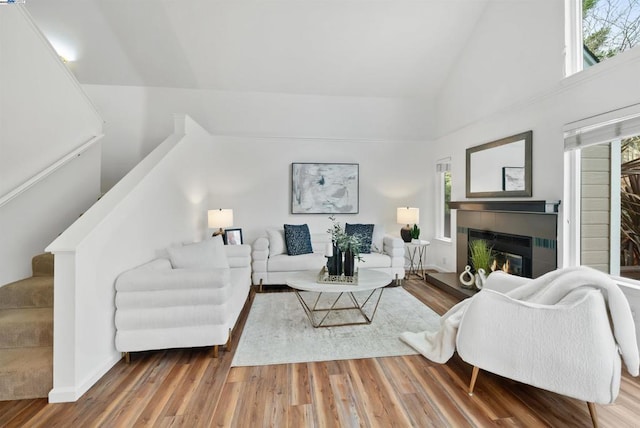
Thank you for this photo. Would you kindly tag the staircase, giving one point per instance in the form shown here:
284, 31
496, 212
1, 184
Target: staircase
26, 334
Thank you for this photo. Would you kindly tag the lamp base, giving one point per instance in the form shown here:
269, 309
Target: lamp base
218, 232
405, 233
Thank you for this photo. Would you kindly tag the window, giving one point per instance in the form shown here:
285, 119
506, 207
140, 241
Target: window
443, 214
596, 30
630, 208
606, 193
610, 27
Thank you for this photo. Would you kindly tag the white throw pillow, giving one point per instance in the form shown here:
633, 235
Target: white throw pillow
276, 242
207, 254
377, 240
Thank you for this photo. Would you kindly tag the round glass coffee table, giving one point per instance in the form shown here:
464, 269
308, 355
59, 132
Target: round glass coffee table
324, 305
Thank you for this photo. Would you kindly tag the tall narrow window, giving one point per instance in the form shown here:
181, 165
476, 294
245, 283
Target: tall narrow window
630, 208
443, 215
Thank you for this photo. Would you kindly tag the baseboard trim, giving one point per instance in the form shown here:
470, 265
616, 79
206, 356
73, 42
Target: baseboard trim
71, 394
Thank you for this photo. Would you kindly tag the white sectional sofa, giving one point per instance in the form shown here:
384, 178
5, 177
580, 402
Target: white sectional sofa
184, 300
271, 264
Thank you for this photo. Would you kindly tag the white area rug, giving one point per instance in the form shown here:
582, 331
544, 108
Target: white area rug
278, 331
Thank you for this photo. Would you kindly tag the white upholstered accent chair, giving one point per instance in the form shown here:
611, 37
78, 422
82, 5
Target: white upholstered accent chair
567, 348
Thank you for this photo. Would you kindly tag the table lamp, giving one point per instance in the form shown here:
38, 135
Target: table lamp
219, 219
406, 216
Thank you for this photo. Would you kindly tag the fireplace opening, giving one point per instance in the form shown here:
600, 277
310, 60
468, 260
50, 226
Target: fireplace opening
511, 253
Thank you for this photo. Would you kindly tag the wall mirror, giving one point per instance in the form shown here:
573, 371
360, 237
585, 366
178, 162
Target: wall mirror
500, 168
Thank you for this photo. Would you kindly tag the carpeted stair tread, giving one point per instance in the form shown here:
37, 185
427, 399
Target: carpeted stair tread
26, 327
34, 292
42, 265
26, 372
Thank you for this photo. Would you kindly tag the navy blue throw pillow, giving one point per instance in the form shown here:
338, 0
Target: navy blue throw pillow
298, 239
365, 231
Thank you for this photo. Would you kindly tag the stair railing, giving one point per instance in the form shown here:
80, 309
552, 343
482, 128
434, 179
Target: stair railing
49, 170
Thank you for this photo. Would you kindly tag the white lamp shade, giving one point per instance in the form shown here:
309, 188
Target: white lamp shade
408, 215
221, 218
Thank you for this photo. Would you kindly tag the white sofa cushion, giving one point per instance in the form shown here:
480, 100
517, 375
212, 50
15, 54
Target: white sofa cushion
286, 263
172, 297
143, 279
374, 260
173, 316
277, 243
207, 254
377, 240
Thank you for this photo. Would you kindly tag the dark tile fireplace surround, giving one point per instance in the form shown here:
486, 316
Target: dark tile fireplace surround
523, 232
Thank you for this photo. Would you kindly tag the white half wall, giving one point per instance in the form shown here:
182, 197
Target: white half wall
159, 203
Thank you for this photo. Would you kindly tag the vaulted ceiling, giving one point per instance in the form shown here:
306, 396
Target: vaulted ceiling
370, 48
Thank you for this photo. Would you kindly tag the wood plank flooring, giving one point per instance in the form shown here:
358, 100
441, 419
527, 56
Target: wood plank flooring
189, 388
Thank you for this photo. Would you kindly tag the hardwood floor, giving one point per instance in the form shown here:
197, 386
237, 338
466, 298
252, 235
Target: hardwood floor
190, 388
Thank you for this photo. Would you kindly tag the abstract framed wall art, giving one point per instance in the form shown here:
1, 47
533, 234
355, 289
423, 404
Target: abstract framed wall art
324, 188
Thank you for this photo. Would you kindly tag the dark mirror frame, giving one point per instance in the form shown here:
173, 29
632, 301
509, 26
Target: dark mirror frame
528, 139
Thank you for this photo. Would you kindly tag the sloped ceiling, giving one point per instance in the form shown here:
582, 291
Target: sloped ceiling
392, 48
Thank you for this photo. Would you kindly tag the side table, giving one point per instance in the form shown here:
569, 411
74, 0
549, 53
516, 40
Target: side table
417, 251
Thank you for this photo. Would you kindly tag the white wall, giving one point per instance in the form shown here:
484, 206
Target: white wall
515, 52
253, 176
36, 217
159, 203
137, 118
44, 115
43, 112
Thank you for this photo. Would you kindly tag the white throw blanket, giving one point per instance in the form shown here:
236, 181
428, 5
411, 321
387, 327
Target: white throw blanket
549, 289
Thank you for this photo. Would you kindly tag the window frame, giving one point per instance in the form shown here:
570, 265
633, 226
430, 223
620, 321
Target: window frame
607, 128
443, 166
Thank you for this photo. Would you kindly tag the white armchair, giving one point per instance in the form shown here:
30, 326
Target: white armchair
567, 347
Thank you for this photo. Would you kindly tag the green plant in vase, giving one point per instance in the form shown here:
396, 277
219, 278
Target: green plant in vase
349, 245
415, 232
481, 256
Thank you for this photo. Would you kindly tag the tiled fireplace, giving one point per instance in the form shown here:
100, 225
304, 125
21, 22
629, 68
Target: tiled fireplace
513, 253
525, 242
